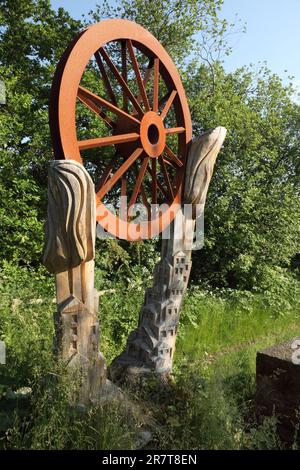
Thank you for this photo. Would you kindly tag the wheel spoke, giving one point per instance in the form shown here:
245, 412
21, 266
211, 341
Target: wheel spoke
172, 156
121, 80
139, 181
123, 186
137, 72
175, 130
143, 194
107, 84
106, 173
149, 72
145, 202
166, 177
91, 105
124, 73
83, 92
154, 181
159, 186
123, 200
155, 84
168, 104
169, 163
119, 173
147, 77
106, 141
164, 99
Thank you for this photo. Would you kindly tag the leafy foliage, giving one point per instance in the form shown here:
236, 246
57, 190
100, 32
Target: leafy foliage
32, 38
175, 23
252, 238
253, 203
251, 254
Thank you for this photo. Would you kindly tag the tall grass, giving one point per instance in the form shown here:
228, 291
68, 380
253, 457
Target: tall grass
210, 404
213, 324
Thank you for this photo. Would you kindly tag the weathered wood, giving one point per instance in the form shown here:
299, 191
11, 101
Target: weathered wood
150, 348
69, 254
70, 227
200, 165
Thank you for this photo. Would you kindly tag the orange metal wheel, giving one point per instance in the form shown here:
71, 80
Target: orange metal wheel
117, 73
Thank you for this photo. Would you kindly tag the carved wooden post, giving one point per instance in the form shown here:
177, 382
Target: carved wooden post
151, 346
69, 254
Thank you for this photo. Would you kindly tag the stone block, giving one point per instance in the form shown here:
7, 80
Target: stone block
278, 387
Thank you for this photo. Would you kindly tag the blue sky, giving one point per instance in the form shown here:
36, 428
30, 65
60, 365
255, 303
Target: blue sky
273, 32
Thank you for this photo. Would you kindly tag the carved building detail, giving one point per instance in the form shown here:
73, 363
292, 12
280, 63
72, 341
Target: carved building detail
151, 346
154, 340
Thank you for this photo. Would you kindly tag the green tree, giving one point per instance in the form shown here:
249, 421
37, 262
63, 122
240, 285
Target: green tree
182, 26
32, 38
252, 213
252, 229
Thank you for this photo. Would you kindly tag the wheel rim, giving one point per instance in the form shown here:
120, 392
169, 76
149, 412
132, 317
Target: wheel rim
138, 128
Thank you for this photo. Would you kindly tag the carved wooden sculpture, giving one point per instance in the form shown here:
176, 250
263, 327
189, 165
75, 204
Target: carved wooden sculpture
146, 120
69, 254
151, 346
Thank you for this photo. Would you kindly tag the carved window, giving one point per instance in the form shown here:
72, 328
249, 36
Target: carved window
170, 311
94, 329
74, 344
164, 333
171, 332
184, 278
75, 318
176, 271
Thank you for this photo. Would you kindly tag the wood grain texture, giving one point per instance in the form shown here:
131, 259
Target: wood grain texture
69, 253
71, 222
200, 165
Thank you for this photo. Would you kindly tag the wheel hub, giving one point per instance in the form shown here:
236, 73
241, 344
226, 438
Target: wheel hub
152, 134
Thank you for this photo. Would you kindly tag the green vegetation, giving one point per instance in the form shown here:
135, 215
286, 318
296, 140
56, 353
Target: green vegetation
209, 405
245, 291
